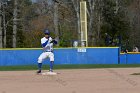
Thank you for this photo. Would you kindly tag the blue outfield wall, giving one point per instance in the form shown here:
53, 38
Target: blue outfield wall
102, 55
130, 58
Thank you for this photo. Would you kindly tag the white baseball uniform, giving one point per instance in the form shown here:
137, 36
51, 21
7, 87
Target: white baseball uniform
47, 50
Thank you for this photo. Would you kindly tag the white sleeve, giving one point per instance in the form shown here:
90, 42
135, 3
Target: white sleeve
50, 39
43, 40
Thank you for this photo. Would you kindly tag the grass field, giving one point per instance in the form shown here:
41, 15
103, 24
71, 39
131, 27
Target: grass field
81, 66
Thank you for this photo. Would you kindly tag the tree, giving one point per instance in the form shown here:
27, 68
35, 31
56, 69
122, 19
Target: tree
62, 18
3, 22
115, 22
1, 44
134, 19
15, 22
91, 11
76, 4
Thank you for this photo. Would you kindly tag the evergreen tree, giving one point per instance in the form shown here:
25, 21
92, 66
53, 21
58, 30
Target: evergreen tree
115, 22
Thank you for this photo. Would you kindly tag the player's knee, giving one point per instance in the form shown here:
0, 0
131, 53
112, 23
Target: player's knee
40, 60
52, 59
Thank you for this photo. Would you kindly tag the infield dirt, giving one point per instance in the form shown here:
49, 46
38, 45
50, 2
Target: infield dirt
108, 80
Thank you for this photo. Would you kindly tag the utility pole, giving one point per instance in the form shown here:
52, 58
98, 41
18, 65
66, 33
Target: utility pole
15, 24
1, 45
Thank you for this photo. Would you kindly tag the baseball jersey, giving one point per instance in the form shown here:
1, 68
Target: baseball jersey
46, 44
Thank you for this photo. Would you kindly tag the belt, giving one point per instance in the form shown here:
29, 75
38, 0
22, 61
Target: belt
48, 51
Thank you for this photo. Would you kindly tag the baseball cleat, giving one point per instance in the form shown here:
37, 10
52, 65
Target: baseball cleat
38, 72
50, 70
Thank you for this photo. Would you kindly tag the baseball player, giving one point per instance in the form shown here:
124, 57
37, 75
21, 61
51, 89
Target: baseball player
47, 43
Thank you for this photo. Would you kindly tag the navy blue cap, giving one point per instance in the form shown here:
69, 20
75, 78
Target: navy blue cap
46, 32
